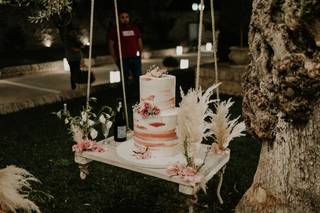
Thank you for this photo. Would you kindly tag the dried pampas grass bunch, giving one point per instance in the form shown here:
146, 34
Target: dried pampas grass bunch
192, 126
223, 129
14, 187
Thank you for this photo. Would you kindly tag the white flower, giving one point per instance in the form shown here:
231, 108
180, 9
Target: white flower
102, 119
59, 114
66, 121
109, 124
91, 122
77, 133
155, 71
84, 116
93, 133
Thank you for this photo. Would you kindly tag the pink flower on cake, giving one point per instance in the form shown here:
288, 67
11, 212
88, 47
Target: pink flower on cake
145, 113
142, 153
156, 110
147, 109
148, 105
87, 145
155, 71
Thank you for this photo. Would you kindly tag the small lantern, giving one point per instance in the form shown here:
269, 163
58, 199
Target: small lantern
66, 66
114, 76
184, 63
179, 50
208, 46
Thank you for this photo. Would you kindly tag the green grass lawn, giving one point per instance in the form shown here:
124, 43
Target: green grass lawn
36, 140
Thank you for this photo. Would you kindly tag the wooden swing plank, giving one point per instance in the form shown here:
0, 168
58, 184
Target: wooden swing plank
213, 164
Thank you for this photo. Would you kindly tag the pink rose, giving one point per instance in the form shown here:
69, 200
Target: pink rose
88, 145
145, 114
146, 155
156, 110
188, 171
193, 179
75, 148
147, 105
175, 169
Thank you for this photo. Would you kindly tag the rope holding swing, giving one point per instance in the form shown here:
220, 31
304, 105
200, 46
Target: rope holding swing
214, 42
90, 55
121, 62
199, 43
215, 48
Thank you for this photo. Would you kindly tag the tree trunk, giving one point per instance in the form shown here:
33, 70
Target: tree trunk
288, 174
282, 106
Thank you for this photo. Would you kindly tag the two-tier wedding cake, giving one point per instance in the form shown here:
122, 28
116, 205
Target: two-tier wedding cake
155, 118
154, 139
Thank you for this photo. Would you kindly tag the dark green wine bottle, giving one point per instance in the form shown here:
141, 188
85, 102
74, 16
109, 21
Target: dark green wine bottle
120, 127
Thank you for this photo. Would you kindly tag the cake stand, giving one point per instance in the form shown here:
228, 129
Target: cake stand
125, 151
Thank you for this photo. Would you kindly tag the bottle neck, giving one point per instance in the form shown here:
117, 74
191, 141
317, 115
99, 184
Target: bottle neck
119, 107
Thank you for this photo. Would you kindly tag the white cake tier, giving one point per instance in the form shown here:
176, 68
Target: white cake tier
158, 133
162, 91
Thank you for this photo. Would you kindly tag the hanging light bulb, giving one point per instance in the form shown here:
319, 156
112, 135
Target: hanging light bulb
195, 7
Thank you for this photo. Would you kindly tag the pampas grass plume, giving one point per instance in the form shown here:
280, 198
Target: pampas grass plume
14, 187
192, 113
224, 129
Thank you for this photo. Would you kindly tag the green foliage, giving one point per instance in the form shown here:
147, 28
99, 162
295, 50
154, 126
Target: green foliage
42, 10
46, 9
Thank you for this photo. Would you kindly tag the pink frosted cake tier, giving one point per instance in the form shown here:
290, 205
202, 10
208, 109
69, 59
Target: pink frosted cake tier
162, 91
158, 133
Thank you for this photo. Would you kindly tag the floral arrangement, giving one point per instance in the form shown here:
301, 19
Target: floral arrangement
147, 109
155, 71
195, 122
223, 129
192, 126
83, 127
14, 190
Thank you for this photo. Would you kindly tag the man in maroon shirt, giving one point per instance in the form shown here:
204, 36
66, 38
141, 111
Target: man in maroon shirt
131, 47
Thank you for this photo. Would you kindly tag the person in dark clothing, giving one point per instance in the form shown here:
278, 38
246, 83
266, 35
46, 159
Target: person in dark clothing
131, 47
73, 54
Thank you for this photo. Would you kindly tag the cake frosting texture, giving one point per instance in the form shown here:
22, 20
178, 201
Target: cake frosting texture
156, 131
160, 90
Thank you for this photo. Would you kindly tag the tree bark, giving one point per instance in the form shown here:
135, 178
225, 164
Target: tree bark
282, 106
288, 174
